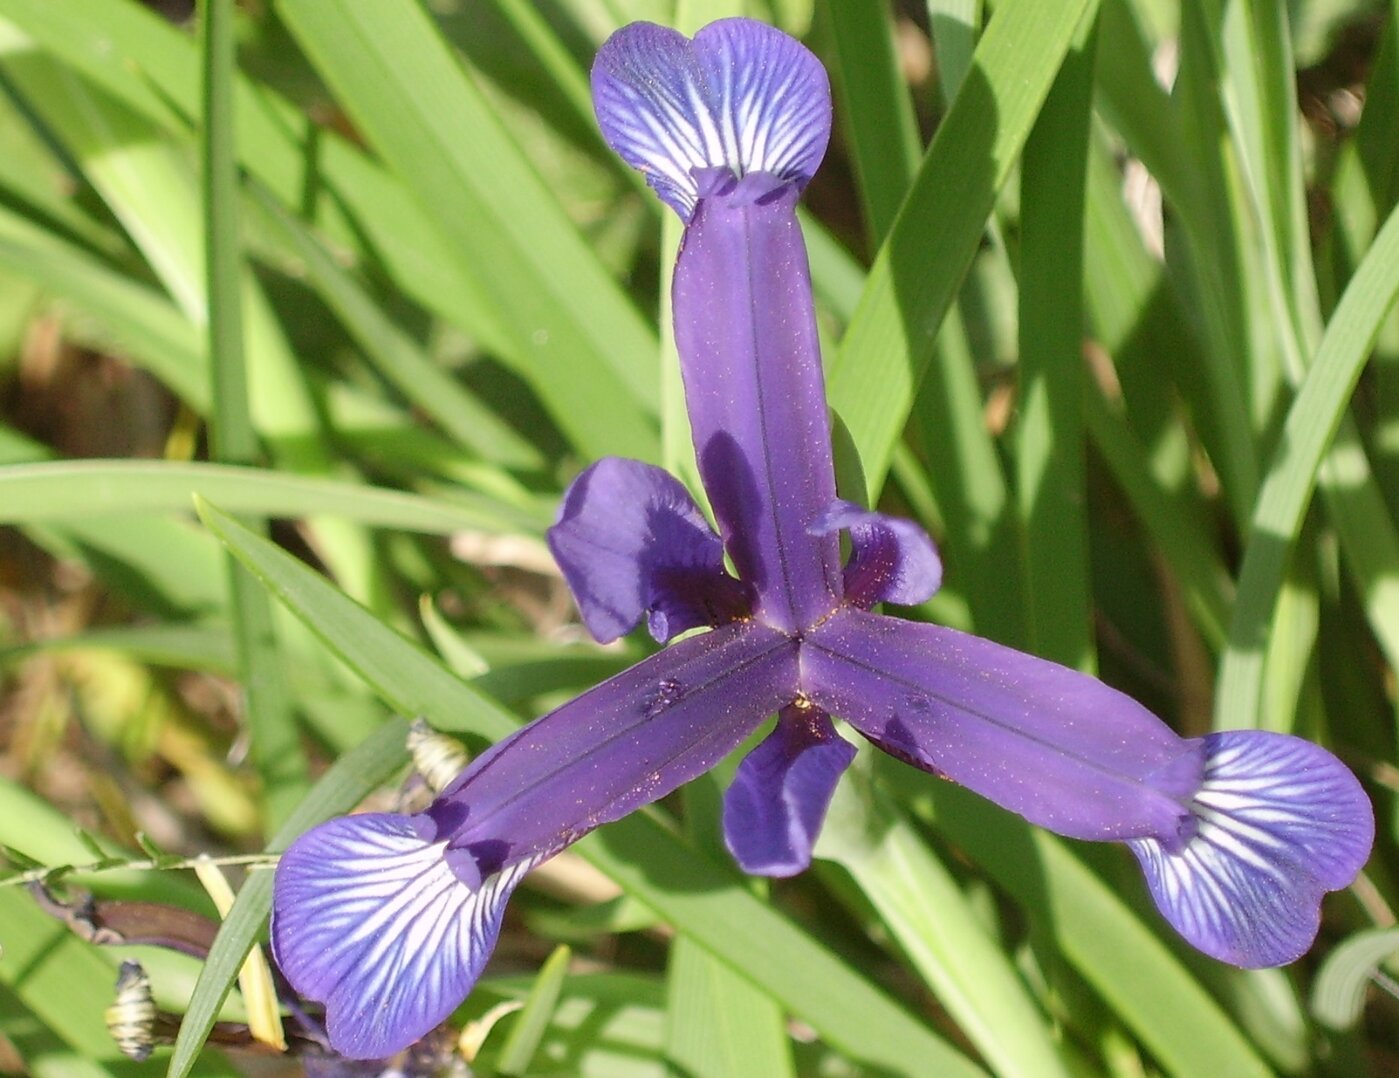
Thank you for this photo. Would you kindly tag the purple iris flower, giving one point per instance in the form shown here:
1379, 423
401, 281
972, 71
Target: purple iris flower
389, 919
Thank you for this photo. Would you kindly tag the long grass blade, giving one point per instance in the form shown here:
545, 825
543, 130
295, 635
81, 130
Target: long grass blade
578, 340
876, 111
920, 266
1143, 983
85, 490
153, 68
397, 357
268, 710
1312, 421
932, 922
1050, 452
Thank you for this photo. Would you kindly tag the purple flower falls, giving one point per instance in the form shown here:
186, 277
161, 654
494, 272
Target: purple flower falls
745, 327
389, 919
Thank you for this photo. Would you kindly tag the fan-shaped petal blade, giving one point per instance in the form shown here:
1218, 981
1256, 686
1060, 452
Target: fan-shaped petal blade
370, 918
741, 96
1280, 822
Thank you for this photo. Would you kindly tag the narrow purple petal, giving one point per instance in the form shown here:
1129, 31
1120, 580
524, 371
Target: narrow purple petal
619, 746
632, 542
891, 560
774, 809
746, 332
370, 919
1280, 822
741, 96
1059, 748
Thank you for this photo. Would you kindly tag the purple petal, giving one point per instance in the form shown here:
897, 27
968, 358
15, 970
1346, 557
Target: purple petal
746, 332
1058, 747
742, 96
619, 746
370, 919
891, 560
1280, 822
774, 809
631, 541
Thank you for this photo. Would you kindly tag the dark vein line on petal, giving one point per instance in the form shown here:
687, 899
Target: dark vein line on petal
760, 400
536, 782
1014, 731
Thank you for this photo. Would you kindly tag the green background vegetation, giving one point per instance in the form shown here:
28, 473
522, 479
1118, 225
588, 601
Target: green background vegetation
1105, 287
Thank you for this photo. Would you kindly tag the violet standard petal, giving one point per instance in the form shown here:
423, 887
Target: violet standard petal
745, 329
631, 543
891, 560
775, 806
1280, 822
728, 128
1055, 746
370, 919
741, 96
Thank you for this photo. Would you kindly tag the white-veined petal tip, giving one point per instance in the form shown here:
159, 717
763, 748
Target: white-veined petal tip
369, 919
1280, 822
742, 96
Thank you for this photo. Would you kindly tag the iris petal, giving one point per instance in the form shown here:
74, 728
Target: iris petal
1060, 748
774, 809
388, 920
619, 746
632, 542
370, 919
1280, 822
741, 96
745, 329
891, 560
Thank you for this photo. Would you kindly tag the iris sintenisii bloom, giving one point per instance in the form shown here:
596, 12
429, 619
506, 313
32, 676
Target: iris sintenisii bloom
389, 919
